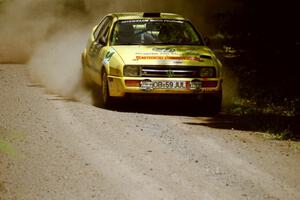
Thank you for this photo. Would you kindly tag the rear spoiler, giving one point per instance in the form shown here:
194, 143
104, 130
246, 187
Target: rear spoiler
152, 14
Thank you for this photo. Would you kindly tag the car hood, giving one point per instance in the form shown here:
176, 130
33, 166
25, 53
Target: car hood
165, 55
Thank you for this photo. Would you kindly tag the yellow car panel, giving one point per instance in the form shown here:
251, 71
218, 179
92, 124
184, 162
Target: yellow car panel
149, 53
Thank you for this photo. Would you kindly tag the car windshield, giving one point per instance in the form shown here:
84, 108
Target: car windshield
154, 32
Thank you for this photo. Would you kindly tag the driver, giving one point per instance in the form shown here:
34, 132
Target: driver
125, 33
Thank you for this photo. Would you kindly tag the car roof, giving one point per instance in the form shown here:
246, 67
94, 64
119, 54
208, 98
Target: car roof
141, 15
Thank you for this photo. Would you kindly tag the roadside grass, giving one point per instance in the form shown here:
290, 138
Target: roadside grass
280, 121
295, 146
265, 101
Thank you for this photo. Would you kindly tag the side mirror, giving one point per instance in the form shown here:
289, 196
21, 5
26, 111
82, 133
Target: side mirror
102, 41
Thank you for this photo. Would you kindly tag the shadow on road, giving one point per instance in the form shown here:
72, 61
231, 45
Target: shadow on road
285, 127
159, 107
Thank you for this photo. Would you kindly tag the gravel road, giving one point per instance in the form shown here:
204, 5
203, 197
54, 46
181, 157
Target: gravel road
54, 148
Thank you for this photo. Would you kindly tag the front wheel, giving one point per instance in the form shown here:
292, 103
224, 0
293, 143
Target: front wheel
213, 104
105, 98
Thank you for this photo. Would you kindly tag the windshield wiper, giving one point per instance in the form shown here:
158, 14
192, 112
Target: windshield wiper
177, 43
167, 43
129, 43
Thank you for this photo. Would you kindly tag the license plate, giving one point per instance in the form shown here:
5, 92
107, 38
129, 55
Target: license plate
169, 85
190, 85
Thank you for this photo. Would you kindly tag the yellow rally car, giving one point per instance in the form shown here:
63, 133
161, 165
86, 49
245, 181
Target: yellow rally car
151, 53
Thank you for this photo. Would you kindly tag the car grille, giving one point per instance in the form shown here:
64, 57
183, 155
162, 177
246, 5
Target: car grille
170, 71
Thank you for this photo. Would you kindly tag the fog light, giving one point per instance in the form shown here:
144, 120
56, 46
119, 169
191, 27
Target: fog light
132, 83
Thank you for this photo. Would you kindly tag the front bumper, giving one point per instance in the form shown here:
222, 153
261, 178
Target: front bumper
119, 87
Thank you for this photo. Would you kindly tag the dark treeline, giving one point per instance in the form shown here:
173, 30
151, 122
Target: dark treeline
266, 37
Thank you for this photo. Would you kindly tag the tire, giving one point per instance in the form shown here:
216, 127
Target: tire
105, 99
213, 104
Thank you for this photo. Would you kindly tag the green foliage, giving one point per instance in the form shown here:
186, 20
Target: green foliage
283, 135
264, 58
279, 120
6, 138
294, 145
7, 148
243, 106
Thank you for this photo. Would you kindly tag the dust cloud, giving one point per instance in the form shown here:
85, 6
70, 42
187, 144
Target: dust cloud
23, 23
230, 87
49, 36
56, 64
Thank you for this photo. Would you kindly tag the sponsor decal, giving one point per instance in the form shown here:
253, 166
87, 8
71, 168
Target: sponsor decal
108, 56
196, 59
146, 53
151, 20
164, 50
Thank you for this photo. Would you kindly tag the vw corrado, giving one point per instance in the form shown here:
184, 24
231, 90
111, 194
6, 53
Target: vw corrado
151, 53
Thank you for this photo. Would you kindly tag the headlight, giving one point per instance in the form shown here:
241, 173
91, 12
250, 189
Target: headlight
207, 72
132, 70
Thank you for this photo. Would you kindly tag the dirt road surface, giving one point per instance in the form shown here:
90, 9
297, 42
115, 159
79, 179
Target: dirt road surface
53, 148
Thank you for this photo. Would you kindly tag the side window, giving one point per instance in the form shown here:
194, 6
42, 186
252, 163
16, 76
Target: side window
96, 32
101, 26
104, 29
98, 29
